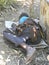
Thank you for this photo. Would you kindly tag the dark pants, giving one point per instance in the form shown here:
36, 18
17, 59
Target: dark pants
13, 38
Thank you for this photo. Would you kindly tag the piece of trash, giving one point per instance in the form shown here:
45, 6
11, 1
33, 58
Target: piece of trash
9, 23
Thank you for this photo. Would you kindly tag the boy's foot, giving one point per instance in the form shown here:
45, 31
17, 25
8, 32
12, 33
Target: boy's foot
30, 54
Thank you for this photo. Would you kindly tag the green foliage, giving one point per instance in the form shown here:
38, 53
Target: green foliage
4, 3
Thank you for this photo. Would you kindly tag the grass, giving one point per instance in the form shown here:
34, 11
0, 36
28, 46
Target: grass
4, 3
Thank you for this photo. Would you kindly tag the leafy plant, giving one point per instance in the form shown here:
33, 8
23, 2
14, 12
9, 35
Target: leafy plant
4, 3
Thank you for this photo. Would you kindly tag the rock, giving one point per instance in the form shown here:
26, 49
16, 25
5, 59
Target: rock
1, 19
48, 57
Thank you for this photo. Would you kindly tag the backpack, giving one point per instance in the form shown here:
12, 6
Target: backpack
32, 30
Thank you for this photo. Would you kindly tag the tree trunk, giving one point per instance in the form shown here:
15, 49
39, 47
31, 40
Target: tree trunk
44, 16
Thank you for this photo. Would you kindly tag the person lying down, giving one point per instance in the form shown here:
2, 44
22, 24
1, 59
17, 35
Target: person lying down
28, 32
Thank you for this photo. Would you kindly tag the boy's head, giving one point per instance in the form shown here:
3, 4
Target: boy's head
23, 17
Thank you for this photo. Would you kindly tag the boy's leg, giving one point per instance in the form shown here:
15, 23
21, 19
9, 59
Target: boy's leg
17, 41
13, 38
31, 52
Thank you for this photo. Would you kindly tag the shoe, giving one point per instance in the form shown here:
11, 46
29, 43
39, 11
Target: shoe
30, 54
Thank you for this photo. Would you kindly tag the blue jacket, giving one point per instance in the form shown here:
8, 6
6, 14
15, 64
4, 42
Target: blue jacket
23, 19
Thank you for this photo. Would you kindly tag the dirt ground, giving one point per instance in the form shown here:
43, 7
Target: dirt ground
9, 54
